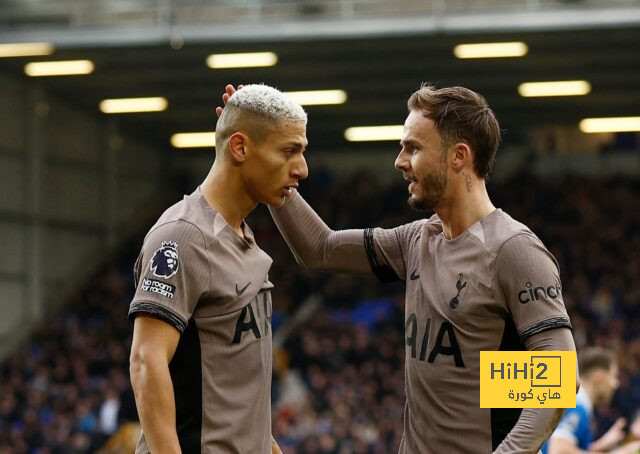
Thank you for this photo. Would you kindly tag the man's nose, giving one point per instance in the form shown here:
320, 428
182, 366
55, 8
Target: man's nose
401, 163
300, 170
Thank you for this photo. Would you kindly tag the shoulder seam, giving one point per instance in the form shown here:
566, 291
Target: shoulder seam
178, 220
509, 239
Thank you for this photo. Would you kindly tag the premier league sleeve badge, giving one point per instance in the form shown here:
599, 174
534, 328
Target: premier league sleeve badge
165, 261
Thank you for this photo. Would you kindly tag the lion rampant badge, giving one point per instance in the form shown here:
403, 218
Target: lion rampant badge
164, 262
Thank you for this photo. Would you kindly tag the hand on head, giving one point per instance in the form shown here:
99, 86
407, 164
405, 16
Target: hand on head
229, 91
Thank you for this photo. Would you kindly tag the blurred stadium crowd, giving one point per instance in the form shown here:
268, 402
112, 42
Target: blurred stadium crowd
338, 383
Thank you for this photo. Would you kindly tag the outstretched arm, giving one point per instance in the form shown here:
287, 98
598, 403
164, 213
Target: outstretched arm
612, 438
315, 245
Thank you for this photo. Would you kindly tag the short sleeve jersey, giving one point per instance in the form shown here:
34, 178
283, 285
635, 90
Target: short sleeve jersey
198, 275
489, 288
575, 425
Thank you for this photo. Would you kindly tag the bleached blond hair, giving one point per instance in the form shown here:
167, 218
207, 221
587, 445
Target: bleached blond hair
257, 110
268, 103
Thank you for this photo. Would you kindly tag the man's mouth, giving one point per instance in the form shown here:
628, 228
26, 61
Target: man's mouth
412, 182
288, 190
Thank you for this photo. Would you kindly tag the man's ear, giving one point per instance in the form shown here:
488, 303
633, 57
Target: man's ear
238, 143
461, 156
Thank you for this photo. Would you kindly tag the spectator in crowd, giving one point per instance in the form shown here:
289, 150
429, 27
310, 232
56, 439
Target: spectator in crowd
598, 381
349, 368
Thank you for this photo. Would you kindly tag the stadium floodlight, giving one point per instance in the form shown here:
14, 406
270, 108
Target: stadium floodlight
25, 49
556, 88
611, 124
373, 133
133, 105
243, 60
59, 68
193, 139
491, 50
318, 97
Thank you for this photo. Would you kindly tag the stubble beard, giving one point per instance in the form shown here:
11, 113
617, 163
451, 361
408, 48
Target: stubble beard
432, 188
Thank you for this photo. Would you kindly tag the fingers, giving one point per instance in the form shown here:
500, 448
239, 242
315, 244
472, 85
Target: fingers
620, 423
229, 91
225, 98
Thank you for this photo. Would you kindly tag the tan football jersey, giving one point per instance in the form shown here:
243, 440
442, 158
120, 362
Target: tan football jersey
490, 288
197, 274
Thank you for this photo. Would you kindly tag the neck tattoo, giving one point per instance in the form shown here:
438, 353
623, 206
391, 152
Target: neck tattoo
467, 181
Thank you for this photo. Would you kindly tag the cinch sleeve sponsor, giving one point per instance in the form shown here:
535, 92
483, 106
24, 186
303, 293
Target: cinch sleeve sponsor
528, 276
171, 273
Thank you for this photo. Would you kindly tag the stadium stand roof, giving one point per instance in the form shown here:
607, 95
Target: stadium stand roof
378, 51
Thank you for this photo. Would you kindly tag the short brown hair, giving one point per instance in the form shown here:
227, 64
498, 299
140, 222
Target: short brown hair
591, 359
461, 114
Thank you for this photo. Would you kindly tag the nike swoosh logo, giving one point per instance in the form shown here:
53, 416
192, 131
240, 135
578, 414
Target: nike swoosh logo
240, 291
414, 276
